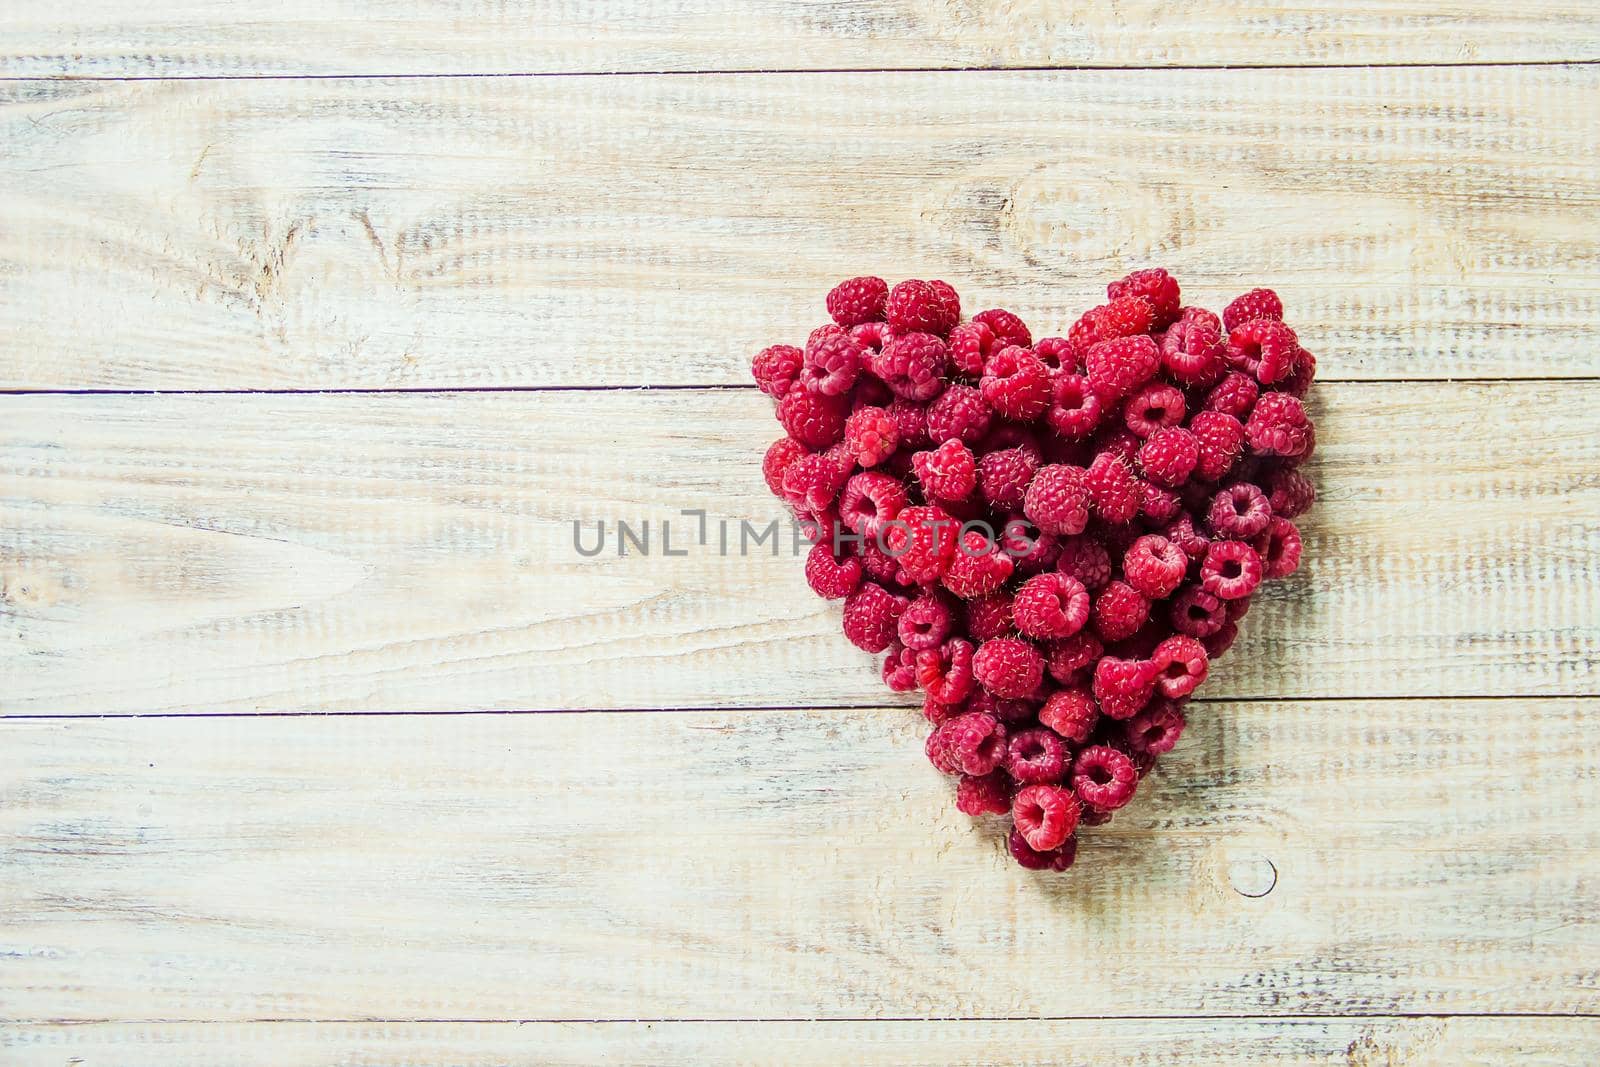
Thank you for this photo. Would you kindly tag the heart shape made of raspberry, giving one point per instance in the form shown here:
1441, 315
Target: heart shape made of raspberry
1051, 538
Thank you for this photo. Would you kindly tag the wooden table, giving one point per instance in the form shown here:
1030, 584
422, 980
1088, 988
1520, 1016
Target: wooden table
321, 322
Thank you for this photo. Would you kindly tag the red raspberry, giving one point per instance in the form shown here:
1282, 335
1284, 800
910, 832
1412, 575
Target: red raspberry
813, 482
1007, 711
1181, 532
938, 713
989, 617
1008, 667
971, 345
1031, 550
987, 794
1004, 475
1055, 352
1075, 409
1119, 611
1221, 440
926, 622
918, 307
1299, 379
912, 365
1218, 643
1278, 426
959, 413
911, 423
1158, 289
869, 392
1156, 729
1029, 858
1085, 559
1239, 511
1290, 493
900, 668
1169, 456
1154, 566
1087, 332
1231, 570
814, 420
1181, 665
974, 743
830, 576
832, 361
939, 753
1072, 713
1236, 609
858, 300
1045, 815
1119, 366
1114, 490
1256, 304
945, 673
776, 368
1016, 384
1265, 349
1196, 612
1280, 549
1160, 506
871, 336
948, 299
1069, 657
1008, 328
781, 453
978, 567
870, 500
1120, 443
1051, 606
1103, 778
871, 435
1035, 756
923, 539
1123, 686
948, 472
1126, 316
1154, 405
1057, 499
1235, 395
1192, 350
869, 617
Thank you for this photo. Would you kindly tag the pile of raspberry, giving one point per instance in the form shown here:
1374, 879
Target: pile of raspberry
1051, 538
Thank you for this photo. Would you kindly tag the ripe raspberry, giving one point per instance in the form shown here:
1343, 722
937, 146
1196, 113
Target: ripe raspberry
918, 307
945, 673
1256, 304
776, 368
1278, 426
1119, 611
1221, 440
1154, 566
1007, 711
1158, 289
1298, 381
1071, 656
870, 500
871, 336
871, 435
1119, 366
1126, 316
1181, 665
1030, 858
1152, 406
1219, 642
1034, 756
1290, 493
1238, 511
1265, 349
1169, 456
926, 622
869, 616
1114, 490
1181, 532
923, 539
1075, 409
858, 300
911, 423
1192, 350
1008, 667
832, 361
813, 419
1031, 550
987, 794
1085, 559
1045, 815
959, 413
830, 576
1196, 612
948, 472
974, 743
1004, 475
1072, 713
1231, 570
1160, 506
1123, 686
1117, 441
938, 752
1235, 395
1103, 778
900, 668
1056, 353
978, 567
781, 453
912, 365
949, 300
1156, 729
813, 482
971, 345
1008, 328
1057, 499
1279, 548
1051, 606
938, 713
1016, 384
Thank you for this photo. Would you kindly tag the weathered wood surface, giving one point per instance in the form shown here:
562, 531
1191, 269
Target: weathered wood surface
420, 233
358, 553
192, 38
1345, 856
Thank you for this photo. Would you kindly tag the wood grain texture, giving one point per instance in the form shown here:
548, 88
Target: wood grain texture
624, 231
186, 38
1352, 856
250, 553
1421, 1042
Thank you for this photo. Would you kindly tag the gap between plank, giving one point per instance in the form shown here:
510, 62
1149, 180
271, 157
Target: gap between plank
1210, 1017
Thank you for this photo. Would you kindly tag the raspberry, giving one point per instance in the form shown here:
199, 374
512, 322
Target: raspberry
1154, 566
1280, 549
1007, 328
1072, 713
1057, 499
900, 668
1103, 778
813, 482
871, 435
1051, 606
948, 472
971, 345
973, 743
918, 307
986, 794
1035, 756
776, 368
1169, 455
1126, 316
1192, 350
829, 576
938, 713
1008, 711
939, 753
1119, 611
1158, 289
989, 617
1290, 493
1016, 384
813, 419
1008, 667
1114, 490
1219, 642
1055, 352
870, 500
781, 453
1117, 367
1031, 550
923, 539
1120, 443
1221, 441
912, 365
1045, 815
926, 622
1235, 395
1266, 349
949, 300
1085, 559
1231, 570
1123, 686
1256, 304
1196, 612
1069, 657
1074, 410
1299, 379
911, 423
1004, 475
1160, 506
961, 413
871, 336
1278, 426
1240, 511
1156, 729
1154, 405
832, 361
1181, 665
945, 673
858, 300
1030, 858
869, 616
978, 567
1181, 532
